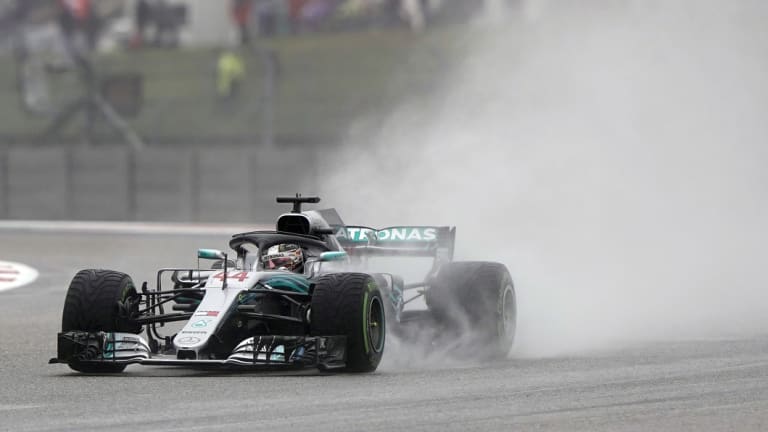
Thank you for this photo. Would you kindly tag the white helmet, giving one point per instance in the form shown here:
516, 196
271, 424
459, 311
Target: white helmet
286, 256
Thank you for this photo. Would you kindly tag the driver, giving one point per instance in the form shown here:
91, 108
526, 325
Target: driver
286, 256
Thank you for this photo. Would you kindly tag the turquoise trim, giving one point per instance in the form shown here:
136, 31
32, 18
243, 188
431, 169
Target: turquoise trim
366, 324
333, 256
210, 254
109, 347
287, 282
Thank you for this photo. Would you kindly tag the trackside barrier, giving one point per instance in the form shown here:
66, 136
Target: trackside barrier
206, 185
3, 185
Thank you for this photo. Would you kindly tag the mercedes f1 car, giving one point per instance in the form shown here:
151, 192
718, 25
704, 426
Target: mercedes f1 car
303, 295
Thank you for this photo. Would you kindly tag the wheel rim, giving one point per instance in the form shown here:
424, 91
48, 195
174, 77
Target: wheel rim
375, 324
508, 312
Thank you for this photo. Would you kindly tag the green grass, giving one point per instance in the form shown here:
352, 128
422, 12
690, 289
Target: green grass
325, 83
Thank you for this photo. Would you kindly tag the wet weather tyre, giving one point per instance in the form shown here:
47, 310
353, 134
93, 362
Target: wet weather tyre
93, 301
478, 297
351, 305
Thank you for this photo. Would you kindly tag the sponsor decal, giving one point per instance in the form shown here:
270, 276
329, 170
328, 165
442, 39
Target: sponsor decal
193, 332
15, 275
207, 313
121, 346
404, 234
189, 340
201, 323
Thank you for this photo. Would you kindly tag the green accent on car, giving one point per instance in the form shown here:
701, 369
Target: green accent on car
127, 291
183, 299
109, 347
287, 282
365, 324
210, 254
333, 256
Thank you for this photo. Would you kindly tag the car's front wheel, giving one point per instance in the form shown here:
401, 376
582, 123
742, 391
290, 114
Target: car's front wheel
351, 305
92, 304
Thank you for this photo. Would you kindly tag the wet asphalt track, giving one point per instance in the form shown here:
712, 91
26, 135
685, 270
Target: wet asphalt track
695, 385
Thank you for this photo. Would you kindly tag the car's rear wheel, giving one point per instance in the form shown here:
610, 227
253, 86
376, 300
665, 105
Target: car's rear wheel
477, 298
93, 302
351, 305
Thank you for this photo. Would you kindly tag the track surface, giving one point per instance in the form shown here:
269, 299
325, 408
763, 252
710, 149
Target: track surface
694, 385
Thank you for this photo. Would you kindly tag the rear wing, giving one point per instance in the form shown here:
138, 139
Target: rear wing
417, 241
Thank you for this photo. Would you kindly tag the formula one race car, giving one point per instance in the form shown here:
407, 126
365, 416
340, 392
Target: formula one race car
299, 296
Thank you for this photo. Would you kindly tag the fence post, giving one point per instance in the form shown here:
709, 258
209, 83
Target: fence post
131, 183
194, 184
4, 187
69, 174
252, 183
271, 66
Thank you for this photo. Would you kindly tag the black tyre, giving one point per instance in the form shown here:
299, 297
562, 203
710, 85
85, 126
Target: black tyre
93, 301
478, 297
350, 304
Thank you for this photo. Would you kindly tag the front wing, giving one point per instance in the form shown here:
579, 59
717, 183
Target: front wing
258, 352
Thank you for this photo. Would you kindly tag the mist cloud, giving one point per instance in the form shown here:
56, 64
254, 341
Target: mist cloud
612, 156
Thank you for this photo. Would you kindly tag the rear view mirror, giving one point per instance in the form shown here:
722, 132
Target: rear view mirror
333, 256
210, 254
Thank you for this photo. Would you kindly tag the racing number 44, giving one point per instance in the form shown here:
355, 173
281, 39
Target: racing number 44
240, 276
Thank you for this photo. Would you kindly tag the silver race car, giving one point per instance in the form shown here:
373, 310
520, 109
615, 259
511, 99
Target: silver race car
303, 295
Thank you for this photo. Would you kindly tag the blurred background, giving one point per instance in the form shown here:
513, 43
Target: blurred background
200, 110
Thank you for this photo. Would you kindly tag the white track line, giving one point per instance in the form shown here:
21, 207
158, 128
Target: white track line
7, 407
15, 275
126, 227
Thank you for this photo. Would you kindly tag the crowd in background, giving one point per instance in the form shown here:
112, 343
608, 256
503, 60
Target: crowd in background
271, 17
164, 19
268, 18
162, 23
66, 31
48, 47
78, 21
49, 35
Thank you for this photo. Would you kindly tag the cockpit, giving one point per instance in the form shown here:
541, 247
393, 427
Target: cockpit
270, 251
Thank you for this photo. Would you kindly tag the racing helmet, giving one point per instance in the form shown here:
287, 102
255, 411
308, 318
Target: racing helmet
286, 256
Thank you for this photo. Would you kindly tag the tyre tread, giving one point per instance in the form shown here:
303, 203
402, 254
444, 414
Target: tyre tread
337, 303
91, 305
